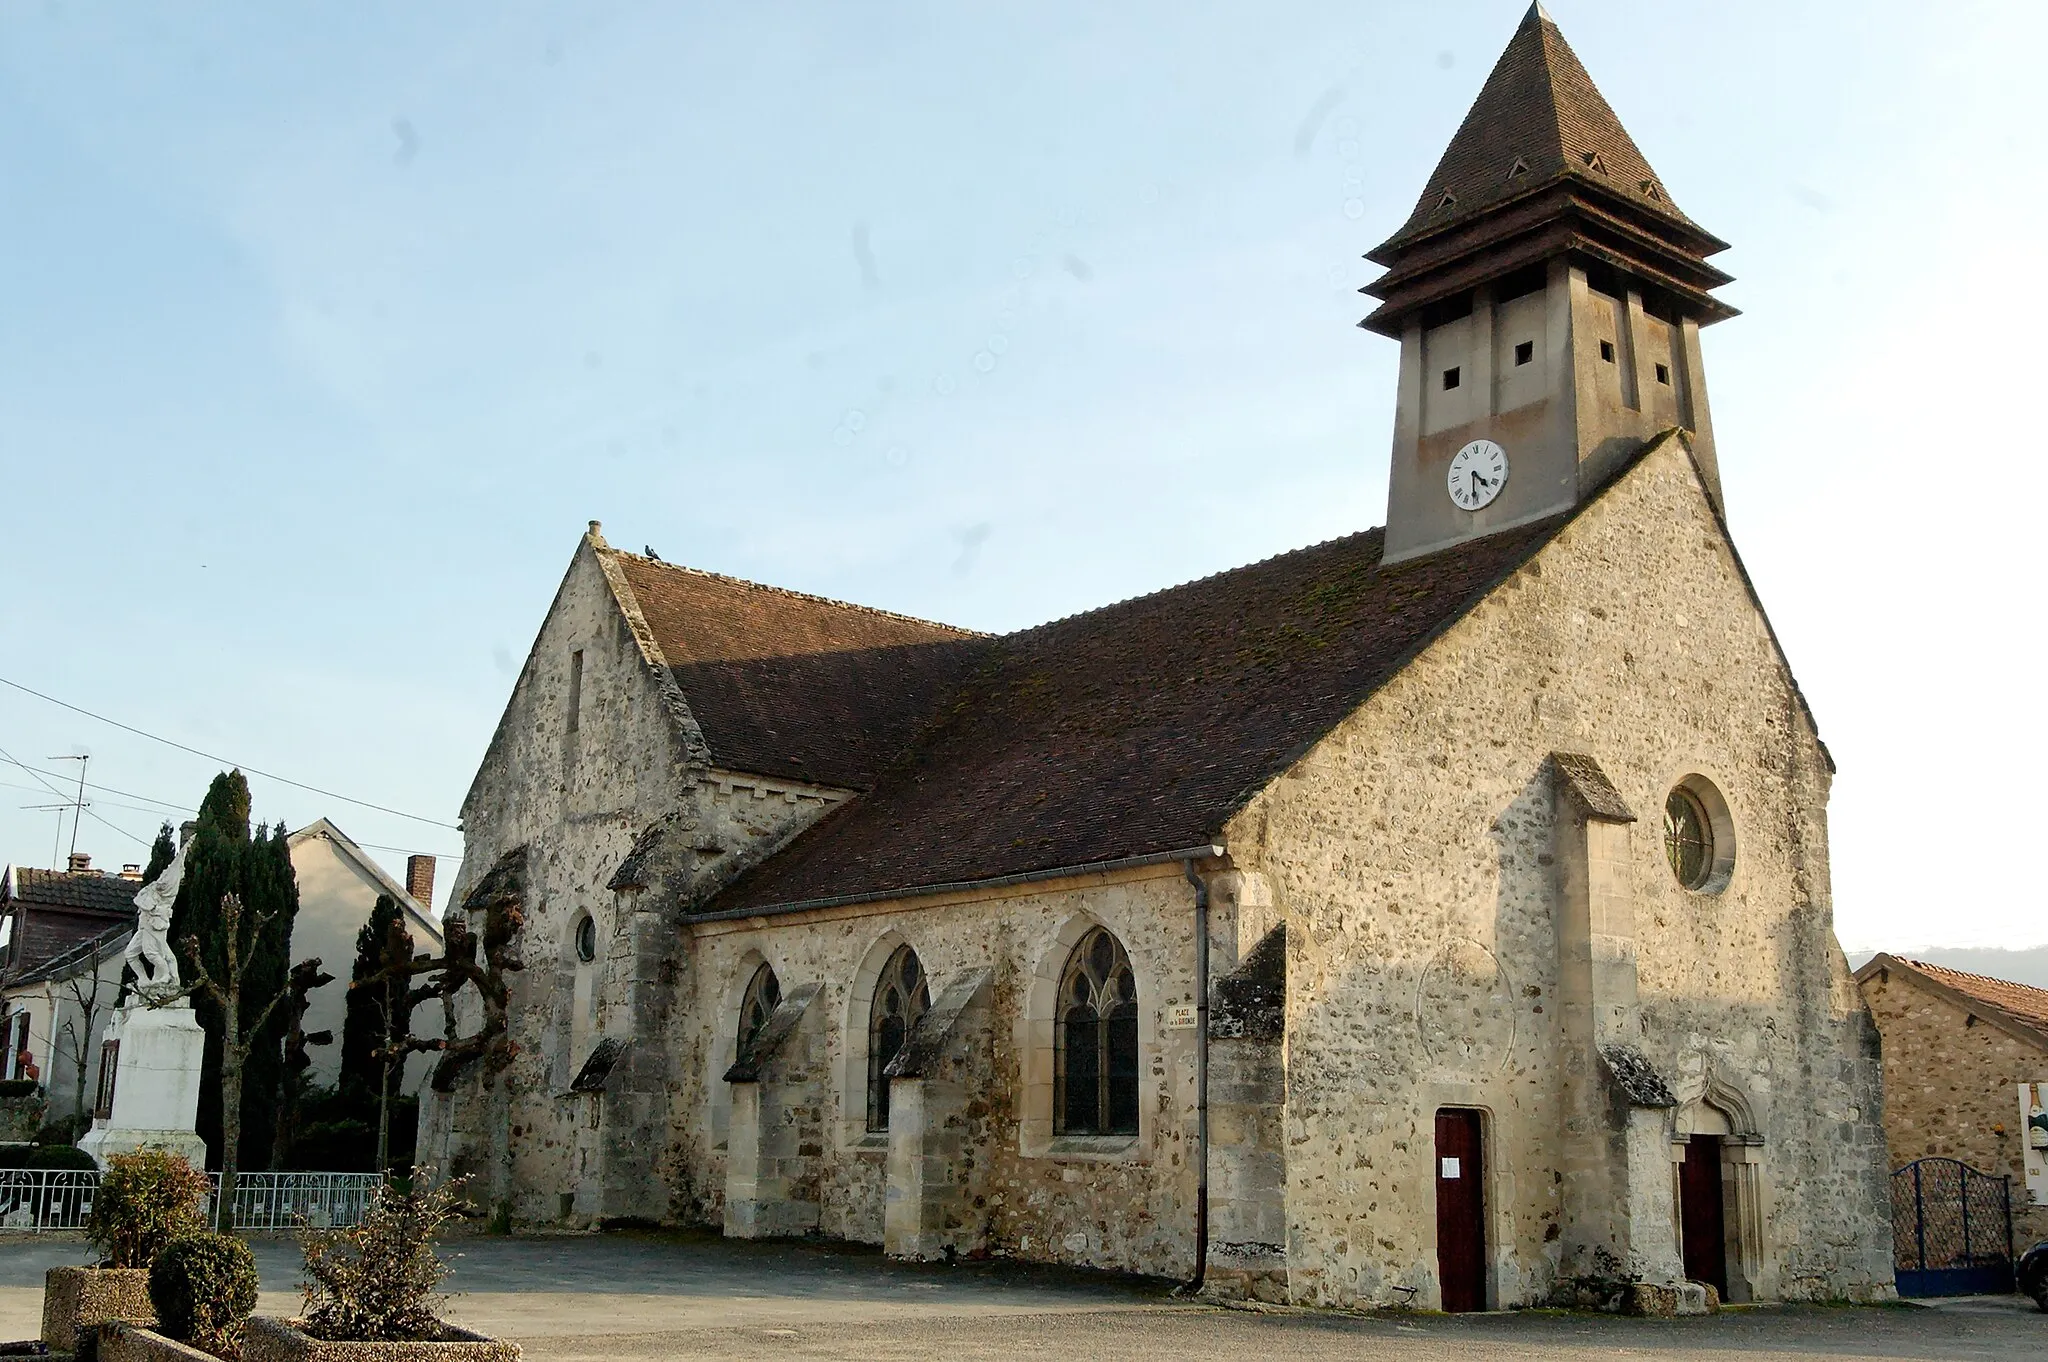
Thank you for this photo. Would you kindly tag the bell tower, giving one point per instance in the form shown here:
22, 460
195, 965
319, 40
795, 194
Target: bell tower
1548, 296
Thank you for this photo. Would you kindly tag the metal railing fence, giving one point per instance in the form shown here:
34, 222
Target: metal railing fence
45, 1199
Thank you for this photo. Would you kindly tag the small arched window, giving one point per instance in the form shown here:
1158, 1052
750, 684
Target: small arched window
1095, 1041
763, 994
900, 999
586, 938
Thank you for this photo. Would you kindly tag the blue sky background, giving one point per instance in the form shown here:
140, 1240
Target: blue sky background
324, 328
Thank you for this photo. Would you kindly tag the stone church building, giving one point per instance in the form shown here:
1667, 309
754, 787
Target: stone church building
1437, 916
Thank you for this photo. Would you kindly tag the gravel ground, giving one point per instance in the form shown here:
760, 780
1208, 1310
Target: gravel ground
628, 1297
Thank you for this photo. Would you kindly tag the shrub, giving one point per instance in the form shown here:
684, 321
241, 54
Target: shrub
374, 1281
62, 1156
145, 1200
203, 1287
19, 1087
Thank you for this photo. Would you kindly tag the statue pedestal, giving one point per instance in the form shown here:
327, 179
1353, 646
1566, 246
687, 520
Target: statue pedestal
154, 1056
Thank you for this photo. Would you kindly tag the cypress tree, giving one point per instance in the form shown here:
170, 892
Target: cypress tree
364, 1024
224, 858
161, 854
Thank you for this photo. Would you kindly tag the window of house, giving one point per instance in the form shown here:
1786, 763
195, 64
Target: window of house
586, 938
901, 997
1524, 352
1664, 374
1607, 351
1450, 378
1095, 1041
763, 994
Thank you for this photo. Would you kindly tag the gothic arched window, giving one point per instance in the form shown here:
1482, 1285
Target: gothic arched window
763, 993
900, 999
1095, 1041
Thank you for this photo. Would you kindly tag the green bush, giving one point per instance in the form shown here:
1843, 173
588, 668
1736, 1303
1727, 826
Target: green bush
19, 1087
374, 1281
145, 1200
203, 1287
61, 1156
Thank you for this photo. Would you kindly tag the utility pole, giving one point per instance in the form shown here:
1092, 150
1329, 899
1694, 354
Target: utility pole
78, 806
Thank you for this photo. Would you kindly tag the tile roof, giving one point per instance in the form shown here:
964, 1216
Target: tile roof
784, 684
112, 938
1138, 728
2023, 1002
62, 889
1538, 117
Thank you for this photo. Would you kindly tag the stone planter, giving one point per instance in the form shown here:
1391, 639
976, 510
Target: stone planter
122, 1342
276, 1340
76, 1300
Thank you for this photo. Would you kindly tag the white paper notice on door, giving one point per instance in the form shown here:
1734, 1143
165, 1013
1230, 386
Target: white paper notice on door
1450, 1168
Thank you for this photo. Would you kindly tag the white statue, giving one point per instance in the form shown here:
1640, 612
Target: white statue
149, 951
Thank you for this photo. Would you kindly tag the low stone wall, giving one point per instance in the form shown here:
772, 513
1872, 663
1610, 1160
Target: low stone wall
123, 1342
78, 1299
276, 1340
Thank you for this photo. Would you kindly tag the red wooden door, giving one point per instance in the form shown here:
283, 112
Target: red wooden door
1699, 1209
1460, 1210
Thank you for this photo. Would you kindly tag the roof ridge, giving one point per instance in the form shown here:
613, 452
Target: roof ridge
797, 595
1972, 974
1193, 581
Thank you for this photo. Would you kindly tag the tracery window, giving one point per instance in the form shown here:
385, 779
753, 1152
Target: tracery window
1095, 1041
763, 994
901, 997
1688, 838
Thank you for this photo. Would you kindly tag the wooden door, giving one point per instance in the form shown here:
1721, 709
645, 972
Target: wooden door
1460, 1210
1699, 1209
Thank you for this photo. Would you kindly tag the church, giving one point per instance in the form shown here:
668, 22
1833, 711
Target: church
1435, 916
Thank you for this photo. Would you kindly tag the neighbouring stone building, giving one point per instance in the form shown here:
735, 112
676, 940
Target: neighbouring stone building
1438, 915
1958, 1048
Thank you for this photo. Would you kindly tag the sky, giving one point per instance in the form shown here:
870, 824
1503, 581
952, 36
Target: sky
324, 329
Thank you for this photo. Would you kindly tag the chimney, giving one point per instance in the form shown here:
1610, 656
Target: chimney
185, 831
131, 871
419, 880
80, 863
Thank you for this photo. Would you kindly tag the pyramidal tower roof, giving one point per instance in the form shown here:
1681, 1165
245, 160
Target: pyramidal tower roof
1538, 116
1541, 147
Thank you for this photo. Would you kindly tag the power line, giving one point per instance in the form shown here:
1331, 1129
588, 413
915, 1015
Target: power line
13, 760
241, 766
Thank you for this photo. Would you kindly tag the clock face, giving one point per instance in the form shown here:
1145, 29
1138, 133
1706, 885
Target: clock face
1478, 472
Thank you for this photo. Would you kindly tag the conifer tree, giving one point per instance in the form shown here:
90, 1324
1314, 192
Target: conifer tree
162, 854
377, 1011
225, 857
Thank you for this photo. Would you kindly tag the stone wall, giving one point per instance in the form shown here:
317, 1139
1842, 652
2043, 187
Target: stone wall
629, 778
1413, 854
1951, 1083
984, 1106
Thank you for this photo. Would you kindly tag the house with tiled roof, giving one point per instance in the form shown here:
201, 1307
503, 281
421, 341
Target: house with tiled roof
1965, 1075
61, 965
1438, 915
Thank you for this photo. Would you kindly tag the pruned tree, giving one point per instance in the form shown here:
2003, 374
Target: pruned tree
484, 961
246, 1012
88, 995
304, 978
380, 1005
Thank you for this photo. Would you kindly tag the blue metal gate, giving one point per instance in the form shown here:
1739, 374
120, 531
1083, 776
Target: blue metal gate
1951, 1230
